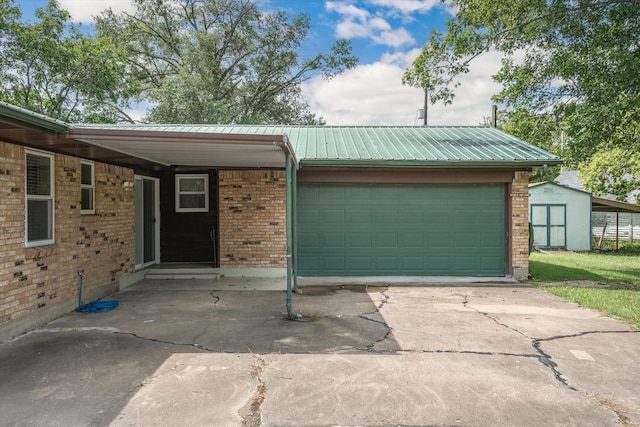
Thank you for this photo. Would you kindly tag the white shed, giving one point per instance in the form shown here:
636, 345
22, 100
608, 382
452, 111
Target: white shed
560, 216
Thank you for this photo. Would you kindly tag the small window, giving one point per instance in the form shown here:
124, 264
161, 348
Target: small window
87, 187
39, 198
192, 193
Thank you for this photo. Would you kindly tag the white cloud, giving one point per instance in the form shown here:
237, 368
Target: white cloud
395, 38
373, 94
407, 6
84, 11
360, 23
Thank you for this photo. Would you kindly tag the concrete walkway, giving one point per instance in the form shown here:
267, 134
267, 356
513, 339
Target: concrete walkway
185, 353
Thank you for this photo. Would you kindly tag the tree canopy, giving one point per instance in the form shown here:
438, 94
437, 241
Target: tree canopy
220, 61
570, 80
51, 67
189, 61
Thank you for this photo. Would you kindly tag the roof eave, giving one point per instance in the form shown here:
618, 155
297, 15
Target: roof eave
605, 205
26, 119
431, 163
97, 134
102, 136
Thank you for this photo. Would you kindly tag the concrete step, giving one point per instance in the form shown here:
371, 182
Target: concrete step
182, 274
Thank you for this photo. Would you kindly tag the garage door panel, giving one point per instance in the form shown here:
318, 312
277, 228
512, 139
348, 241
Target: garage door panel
309, 193
439, 217
491, 217
414, 264
360, 217
401, 229
385, 240
334, 217
333, 264
439, 265
385, 217
332, 193
361, 240
386, 264
465, 240
361, 264
360, 193
334, 240
308, 263
412, 240
466, 218
439, 240
465, 263
491, 263
411, 217
491, 241
387, 193
308, 217
308, 241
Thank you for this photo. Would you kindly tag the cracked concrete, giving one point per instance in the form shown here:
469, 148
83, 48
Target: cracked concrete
474, 355
250, 412
525, 319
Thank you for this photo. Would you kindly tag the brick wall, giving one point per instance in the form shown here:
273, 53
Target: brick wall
252, 218
520, 224
34, 280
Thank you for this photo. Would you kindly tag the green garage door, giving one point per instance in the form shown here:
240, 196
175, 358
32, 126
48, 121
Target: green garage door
405, 230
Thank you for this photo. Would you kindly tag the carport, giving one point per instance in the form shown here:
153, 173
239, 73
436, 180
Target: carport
600, 204
197, 146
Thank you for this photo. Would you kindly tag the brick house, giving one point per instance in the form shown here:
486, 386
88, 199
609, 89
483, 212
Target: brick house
113, 200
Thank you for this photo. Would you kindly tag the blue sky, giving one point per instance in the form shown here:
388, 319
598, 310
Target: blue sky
386, 36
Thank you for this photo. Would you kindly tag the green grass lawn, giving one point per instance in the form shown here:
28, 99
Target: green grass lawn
620, 271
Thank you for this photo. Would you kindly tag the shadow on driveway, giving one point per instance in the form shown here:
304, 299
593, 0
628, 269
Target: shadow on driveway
83, 368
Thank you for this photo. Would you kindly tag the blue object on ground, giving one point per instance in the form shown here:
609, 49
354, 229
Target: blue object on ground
94, 307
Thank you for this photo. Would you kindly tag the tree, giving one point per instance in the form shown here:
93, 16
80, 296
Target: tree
50, 67
613, 171
573, 62
220, 61
542, 130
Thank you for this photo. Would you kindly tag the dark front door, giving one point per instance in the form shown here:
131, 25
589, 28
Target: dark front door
189, 210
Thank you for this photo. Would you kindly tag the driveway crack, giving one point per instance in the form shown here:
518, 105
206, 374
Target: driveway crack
580, 334
250, 412
546, 360
389, 332
615, 408
371, 347
216, 298
385, 299
196, 345
543, 357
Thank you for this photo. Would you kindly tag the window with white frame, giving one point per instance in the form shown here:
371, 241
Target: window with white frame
39, 198
87, 187
192, 193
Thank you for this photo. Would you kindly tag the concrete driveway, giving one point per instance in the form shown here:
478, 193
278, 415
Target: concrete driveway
190, 353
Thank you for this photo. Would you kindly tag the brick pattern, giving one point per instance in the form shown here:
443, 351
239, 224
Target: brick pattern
100, 245
520, 224
252, 218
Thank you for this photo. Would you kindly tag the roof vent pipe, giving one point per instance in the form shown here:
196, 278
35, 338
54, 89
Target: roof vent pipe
494, 115
426, 106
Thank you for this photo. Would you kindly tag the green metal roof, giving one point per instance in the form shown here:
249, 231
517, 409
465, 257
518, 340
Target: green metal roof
23, 118
383, 145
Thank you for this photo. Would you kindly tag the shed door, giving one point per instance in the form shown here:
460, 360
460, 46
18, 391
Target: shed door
408, 230
549, 225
